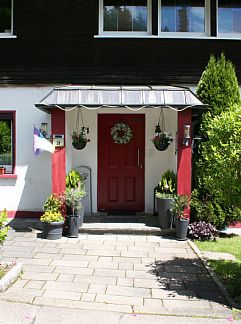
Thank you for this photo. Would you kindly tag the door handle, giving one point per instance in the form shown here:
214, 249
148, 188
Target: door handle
138, 159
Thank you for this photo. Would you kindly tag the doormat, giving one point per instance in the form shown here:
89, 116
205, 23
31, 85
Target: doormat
121, 213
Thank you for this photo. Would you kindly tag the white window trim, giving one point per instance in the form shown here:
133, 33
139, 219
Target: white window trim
186, 34
226, 35
130, 34
10, 33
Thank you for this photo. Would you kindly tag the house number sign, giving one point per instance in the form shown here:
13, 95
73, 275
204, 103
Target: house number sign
58, 140
121, 133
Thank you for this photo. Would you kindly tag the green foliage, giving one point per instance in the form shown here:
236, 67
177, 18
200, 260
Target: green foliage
218, 86
206, 207
75, 180
54, 203
73, 199
3, 227
217, 172
180, 205
5, 137
167, 186
51, 216
221, 160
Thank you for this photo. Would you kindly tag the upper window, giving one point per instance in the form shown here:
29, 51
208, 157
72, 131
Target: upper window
6, 16
124, 16
7, 131
229, 17
186, 17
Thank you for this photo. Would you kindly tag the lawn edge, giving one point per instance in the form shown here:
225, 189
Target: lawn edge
214, 276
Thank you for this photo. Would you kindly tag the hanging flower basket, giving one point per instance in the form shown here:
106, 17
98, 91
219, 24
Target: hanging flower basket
80, 144
161, 139
79, 139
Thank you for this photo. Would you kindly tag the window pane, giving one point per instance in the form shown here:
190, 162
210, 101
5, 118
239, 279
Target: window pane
110, 18
123, 15
6, 156
183, 16
5, 16
140, 18
229, 17
125, 18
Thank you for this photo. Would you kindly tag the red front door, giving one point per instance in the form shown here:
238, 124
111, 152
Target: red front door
121, 165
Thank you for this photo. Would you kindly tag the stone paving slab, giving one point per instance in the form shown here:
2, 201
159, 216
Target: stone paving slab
15, 313
218, 256
127, 274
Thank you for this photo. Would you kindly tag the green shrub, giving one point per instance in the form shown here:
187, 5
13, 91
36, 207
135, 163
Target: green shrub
179, 206
217, 176
55, 203
218, 86
167, 186
206, 208
3, 228
73, 179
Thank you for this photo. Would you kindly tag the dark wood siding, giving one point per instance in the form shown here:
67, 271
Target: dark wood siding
55, 44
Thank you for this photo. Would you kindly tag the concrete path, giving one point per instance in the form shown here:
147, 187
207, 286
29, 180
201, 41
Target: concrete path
124, 276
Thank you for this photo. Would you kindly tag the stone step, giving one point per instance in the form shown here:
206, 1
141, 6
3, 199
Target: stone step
123, 228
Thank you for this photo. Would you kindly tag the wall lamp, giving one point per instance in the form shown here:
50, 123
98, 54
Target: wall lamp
186, 135
44, 129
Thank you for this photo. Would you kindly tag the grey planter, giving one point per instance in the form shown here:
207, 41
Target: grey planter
53, 231
181, 229
73, 222
164, 206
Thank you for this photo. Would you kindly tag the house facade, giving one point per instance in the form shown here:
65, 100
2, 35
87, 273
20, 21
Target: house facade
118, 63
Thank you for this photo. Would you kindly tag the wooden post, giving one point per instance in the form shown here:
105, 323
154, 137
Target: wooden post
184, 164
59, 156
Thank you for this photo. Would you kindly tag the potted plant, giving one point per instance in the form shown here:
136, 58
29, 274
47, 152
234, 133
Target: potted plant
2, 170
164, 193
75, 190
161, 139
52, 219
79, 139
179, 207
75, 211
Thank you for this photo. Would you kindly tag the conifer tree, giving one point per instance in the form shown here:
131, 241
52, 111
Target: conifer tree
216, 172
218, 86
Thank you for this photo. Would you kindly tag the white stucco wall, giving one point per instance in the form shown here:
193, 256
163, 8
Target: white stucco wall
33, 184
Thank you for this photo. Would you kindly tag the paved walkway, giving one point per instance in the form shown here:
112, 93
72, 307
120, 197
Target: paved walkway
125, 274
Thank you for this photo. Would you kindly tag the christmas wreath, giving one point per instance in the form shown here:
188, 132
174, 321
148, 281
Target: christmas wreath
121, 133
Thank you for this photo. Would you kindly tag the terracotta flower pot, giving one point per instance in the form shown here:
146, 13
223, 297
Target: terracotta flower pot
2, 170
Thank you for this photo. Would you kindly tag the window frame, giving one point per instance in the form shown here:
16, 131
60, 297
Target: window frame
7, 34
13, 139
125, 33
224, 35
186, 34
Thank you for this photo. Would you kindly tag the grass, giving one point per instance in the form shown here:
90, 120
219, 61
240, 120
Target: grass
4, 268
229, 272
